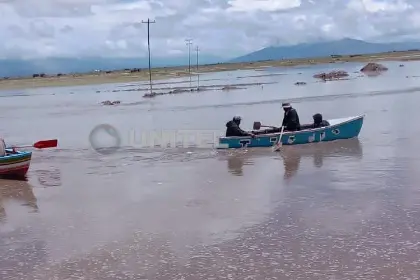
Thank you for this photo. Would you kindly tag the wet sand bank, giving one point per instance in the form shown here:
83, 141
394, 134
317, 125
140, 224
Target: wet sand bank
343, 210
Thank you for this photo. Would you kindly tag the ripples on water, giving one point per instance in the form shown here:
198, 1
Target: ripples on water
340, 210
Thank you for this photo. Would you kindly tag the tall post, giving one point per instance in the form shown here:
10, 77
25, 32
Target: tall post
148, 22
197, 49
189, 43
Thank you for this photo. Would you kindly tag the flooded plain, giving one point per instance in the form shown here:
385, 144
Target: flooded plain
341, 210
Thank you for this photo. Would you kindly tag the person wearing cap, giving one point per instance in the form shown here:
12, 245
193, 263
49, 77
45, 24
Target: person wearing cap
233, 129
291, 118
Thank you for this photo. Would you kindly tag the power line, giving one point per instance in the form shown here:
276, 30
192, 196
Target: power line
148, 22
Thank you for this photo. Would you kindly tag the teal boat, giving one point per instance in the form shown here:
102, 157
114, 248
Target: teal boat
344, 128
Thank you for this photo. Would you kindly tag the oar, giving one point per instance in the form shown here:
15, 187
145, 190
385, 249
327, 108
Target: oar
279, 144
258, 125
43, 144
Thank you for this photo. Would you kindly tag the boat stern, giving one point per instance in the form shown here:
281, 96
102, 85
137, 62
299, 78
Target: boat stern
15, 164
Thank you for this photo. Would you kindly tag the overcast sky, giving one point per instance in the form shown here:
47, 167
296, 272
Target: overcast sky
40, 28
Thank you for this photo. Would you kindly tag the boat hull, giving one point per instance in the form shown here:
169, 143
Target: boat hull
15, 164
345, 128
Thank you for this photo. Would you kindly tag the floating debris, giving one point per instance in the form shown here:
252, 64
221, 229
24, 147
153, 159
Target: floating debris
373, 67
331, 75
110, 103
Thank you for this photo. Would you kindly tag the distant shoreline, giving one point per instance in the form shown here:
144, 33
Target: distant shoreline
127, 76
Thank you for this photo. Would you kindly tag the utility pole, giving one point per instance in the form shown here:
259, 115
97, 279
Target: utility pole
197, 49
148, 22
189, 43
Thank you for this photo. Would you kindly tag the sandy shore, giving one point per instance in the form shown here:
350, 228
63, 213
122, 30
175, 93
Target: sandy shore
122, 76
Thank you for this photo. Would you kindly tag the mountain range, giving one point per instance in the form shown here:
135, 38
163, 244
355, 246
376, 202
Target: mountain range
20, 67
344, 46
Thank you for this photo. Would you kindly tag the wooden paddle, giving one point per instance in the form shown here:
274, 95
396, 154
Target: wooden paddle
43, 144
258, 125
279, 144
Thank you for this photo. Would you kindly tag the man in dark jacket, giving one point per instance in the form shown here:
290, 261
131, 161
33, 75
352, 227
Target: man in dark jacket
233, 129
291, 118
318, 121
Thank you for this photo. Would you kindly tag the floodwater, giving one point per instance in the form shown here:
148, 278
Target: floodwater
342, 210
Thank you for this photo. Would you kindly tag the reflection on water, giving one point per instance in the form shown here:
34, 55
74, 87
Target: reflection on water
318, 152
373, 74
235, 165
236, 161
18, 192
20, 250
291, 155
291, 164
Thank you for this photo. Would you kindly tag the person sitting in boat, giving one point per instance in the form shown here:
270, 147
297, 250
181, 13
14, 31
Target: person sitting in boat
2, 147
319, 122
233, 129
291, 118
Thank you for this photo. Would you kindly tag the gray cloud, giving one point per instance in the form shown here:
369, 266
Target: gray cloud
220, 27
40, 28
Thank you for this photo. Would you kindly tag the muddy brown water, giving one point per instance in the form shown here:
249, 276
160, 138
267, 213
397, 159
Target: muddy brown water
342, 210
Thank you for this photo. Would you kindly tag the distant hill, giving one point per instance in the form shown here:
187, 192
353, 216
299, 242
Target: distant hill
322, 49
18, 67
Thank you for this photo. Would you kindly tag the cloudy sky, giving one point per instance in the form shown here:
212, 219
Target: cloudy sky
227, 28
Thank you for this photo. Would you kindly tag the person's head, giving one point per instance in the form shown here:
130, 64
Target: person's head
237, 120
317, 118
286, 106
